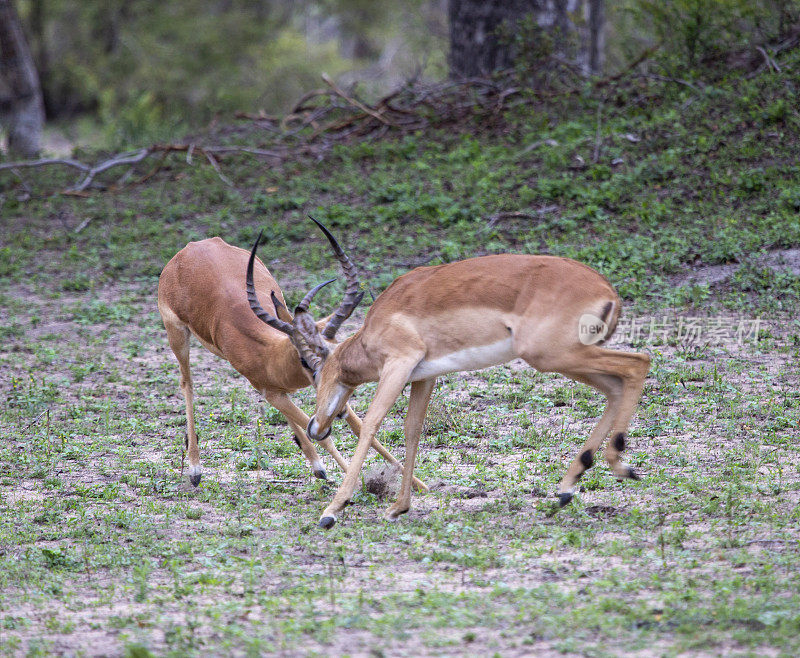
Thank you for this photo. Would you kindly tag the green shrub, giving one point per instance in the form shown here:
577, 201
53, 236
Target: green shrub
695, 33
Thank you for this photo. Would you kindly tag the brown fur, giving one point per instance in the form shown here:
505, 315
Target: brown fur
432, 313
201, 291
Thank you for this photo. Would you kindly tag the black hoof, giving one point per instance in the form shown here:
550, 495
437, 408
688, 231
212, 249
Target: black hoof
564, 499
195, 479
393, 515
320, 473
327, 522
632, 474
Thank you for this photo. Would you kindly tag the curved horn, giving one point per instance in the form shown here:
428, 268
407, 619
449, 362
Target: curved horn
352, 296
262, 315
307, 338
302, 307
310, 356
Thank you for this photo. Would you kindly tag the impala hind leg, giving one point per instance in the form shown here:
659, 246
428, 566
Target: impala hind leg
178, 337
390, 385
298, 421
620, 377
611, 387
417, 406
631, 394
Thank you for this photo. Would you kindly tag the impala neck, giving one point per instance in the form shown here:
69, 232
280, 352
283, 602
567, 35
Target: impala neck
349, 363
281, 362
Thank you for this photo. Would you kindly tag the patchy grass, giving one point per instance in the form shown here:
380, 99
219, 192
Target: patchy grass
106, 549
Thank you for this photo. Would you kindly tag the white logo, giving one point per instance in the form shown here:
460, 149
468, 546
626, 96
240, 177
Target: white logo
591, 329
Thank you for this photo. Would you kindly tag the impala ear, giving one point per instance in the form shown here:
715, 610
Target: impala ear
280, 309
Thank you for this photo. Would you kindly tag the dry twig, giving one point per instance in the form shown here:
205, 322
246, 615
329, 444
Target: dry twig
598, 141
771, 63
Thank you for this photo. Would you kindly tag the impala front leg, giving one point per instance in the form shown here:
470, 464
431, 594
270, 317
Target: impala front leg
417, 406
178, 337
298, 421
390, 385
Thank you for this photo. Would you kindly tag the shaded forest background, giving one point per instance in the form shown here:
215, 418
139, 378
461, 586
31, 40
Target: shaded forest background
116, 73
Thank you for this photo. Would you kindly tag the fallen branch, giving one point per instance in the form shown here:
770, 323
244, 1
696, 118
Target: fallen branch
644, 55
679, 81
215, 165
335, 115
771, 63
353, 101
260, 116
82, 225
46, 411
133, 158
45, 162
535, 145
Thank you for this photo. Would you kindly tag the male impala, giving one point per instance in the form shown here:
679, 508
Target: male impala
200, 293
552, 312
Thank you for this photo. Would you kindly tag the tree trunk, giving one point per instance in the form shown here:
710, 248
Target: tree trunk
477, 48
597, 36
21, 107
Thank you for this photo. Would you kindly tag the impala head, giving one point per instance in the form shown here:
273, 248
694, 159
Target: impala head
314, 344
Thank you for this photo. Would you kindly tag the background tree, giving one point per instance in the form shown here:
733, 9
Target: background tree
21, 107
484, 34
125, 73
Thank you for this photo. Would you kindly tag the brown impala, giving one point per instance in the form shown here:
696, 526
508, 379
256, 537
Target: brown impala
552, 312
200, 293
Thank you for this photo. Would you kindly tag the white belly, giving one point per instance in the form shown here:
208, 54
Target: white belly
471, 358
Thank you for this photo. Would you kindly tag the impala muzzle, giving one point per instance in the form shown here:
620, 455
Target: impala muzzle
313, 428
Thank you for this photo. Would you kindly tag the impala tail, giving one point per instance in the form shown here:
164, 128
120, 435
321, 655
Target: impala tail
597, 328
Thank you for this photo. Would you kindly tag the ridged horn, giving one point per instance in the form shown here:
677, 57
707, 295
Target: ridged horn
302, 307
262, 315
352, 295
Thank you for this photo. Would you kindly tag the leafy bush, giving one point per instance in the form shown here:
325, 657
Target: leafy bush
696, 33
